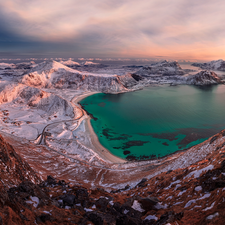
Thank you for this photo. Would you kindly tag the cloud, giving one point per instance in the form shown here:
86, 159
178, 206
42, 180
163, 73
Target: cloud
114, 27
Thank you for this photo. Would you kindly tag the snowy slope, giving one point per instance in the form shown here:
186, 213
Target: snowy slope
35, 98
55, 75
6, 65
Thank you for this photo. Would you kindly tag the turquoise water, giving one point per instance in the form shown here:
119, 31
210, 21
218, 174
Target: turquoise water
156, 121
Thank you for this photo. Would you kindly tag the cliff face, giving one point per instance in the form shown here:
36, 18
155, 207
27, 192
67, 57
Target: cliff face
56, 75
204, 78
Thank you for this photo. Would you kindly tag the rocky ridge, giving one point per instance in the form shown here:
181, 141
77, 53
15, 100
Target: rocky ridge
56, 75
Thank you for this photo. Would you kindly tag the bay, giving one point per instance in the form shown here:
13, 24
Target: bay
156, 121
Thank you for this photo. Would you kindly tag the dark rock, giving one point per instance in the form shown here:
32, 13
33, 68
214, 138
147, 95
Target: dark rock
51, 180
101, 218
95, 218
127, 210
213, 139
129, 202
61, 183
122, 189
68, 199
101, 204
210, 185
137, 77
44, 218
142, 183
82, 197
169, 217
117, 207
126, 220
169, 171
148, 203
223, 166
22, 217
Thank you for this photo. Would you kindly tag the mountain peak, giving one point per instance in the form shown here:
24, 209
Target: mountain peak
204, 77
50, 65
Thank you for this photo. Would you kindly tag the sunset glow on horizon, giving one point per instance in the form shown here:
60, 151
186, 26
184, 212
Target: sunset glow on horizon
176, 29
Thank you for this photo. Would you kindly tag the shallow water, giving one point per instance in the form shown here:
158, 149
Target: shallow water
156, 121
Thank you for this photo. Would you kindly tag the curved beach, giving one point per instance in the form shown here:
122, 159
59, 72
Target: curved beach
103, 153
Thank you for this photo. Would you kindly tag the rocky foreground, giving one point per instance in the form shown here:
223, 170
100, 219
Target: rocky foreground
188, 195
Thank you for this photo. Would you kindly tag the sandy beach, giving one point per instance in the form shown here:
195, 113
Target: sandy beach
103, 153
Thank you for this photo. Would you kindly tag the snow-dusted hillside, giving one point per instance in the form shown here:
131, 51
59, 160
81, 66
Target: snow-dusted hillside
213, 65
55, 75
25, 111
204, 78
35, 98
164, 68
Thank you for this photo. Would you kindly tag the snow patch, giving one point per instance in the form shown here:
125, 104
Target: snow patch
137, 206
151, 217
197, 173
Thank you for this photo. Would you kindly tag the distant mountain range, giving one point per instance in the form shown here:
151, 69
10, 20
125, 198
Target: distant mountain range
213, 65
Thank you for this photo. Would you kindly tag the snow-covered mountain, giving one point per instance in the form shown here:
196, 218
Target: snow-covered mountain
55, 75
70, 62
203, 78
213, 65
25, 65
164, 68
7, 66
35, 98
89, 63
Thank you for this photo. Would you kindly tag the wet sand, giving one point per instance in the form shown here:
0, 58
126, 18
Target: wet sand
103, 153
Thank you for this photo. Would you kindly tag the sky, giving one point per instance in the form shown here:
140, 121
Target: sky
167, 29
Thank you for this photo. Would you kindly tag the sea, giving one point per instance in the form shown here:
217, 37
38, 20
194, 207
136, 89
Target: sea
156, 121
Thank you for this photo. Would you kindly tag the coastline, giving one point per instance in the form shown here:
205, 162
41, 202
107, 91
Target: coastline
101, 151
98, 148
